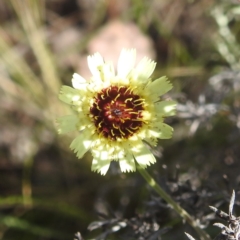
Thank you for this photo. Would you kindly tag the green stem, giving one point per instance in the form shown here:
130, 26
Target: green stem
26, 181
202, 234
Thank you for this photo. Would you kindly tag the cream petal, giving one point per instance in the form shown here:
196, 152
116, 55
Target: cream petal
126, 62
78, 81
127, 164
165, 131
143, 155
160, 86
94, 62
68, 94
82, 143
153, 133
145, 68
67, 123
154, 97
106, 72
84, 121
101, 162
152, 141
166, 108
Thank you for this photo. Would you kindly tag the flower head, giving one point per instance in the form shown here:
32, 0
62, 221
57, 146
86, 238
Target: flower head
114, 113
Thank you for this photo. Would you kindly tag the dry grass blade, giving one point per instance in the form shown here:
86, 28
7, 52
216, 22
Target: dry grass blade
30, 22
15, 65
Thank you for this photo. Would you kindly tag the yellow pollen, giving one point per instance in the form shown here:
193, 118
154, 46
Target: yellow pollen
133, 112
128, 99
139, 100
137, 120
116, 97
99, 125
138, 104
128, 89
129, 130
101, 134
121, 132
128, 109
112, 132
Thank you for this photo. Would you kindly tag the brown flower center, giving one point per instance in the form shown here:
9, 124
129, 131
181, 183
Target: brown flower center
117, 112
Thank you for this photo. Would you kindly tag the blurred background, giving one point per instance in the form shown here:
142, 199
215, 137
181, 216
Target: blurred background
46, 193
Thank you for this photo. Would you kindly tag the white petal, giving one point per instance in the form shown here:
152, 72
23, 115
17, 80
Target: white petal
128, 163
160, 86
145, 68
82, 143
94, 62
126, 62
67, 123
69, 95
78, 82
143, 155
101, 162
166, 108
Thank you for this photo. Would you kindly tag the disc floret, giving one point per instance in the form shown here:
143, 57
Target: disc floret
117, 112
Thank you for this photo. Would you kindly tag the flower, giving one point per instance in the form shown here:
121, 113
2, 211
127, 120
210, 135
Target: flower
114, 113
